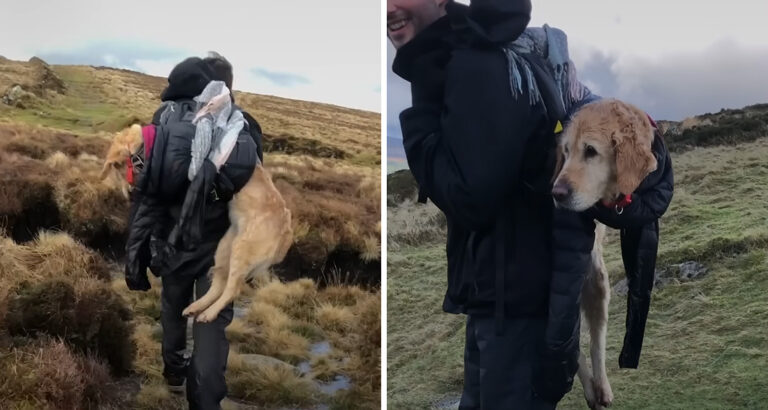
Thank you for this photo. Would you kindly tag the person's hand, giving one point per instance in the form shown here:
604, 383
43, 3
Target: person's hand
138, 283
553, 375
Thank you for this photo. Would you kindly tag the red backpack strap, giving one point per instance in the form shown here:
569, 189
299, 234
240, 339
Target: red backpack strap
148, 132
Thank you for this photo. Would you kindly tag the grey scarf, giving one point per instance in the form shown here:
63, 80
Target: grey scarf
551, 44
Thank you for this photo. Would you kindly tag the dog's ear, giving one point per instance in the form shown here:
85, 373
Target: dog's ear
632, 146
105, 170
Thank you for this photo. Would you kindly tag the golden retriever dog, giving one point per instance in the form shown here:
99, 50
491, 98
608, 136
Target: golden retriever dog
604, 153
258, 237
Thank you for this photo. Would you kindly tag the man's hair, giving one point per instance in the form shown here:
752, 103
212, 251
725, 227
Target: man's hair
220, 66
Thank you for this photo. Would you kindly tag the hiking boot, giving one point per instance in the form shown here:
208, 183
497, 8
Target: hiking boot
175, 384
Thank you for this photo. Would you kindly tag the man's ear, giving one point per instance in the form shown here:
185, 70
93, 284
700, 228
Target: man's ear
632, 147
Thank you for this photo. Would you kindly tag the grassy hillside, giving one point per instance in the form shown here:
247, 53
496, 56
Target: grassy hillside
705, 344
71, 334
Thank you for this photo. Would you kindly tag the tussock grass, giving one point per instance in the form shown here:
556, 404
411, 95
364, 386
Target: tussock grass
273, 386
341, 295
51, 256
46, 374
413, 224
295, 298
333, 207
147, 304
91, 319
40, 142
280, 343
337, 318
24, 184
157, 396
88, 205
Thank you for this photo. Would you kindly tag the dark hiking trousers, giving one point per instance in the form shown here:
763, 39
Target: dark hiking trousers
497, 369
206, 386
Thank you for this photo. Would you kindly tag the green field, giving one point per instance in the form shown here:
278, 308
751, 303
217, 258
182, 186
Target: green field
706, 345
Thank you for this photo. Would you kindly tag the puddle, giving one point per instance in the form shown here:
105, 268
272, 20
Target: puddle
341, 382
304, 367
448, 403
320, 349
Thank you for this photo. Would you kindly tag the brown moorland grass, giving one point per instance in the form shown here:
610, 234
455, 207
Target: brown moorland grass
333, 207
57, 287
38, 142
273, 385
47, 374
24, 184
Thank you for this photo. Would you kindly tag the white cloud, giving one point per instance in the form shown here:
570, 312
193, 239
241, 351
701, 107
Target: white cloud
334, 44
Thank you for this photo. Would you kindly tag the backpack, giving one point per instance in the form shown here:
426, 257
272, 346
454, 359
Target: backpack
174, 120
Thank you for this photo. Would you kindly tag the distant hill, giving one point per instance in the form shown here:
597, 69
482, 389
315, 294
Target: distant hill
726, 127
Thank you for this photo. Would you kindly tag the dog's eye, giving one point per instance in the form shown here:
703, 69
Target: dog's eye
115, 165
565, 150
589, 151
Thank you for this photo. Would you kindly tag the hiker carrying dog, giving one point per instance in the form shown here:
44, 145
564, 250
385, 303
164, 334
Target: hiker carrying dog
479, 140
177, 219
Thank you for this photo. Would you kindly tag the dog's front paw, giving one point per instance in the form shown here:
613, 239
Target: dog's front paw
191, 310
208, 315
603, 393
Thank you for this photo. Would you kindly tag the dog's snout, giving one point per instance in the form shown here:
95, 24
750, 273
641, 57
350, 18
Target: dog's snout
562, 190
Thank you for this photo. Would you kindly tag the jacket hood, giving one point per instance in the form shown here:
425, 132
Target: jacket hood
187, 80
498, 21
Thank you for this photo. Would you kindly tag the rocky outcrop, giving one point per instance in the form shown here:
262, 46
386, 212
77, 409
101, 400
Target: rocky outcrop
18, 97
24, 84
672, 274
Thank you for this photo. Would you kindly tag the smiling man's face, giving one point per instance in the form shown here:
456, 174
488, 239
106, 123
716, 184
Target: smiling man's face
406, 18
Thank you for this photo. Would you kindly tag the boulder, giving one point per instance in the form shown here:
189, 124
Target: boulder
18, 97
681, 272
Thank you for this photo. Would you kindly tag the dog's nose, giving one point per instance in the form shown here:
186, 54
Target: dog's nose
561, 191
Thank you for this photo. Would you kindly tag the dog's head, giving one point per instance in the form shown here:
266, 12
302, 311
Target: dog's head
124, 144
605, 151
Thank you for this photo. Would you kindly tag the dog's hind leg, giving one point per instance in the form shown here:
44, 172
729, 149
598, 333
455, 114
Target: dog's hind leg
239, 269
250, 251
585, 376
596, 295
219, 274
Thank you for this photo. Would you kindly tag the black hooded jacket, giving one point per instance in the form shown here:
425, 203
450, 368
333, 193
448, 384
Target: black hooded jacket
160, 189
484, 158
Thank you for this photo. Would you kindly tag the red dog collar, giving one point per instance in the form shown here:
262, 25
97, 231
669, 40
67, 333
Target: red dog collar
622, 202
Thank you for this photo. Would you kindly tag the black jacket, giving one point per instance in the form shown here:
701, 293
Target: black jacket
160, 189
639, 227
485, 159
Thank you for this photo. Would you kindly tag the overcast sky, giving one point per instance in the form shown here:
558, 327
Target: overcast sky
674, 59
328, 51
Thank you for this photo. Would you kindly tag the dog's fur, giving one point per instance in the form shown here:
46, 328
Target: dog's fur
258, 237
604, 151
